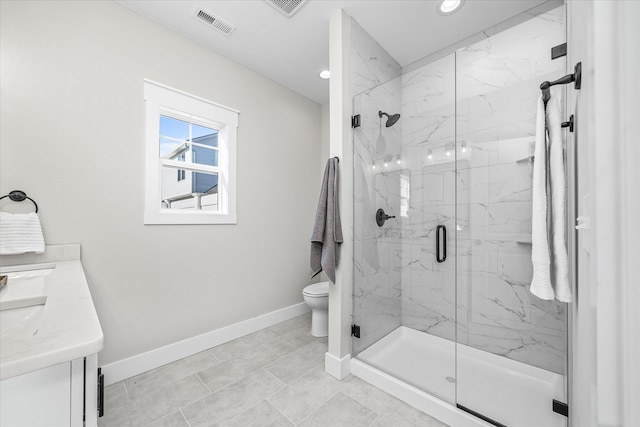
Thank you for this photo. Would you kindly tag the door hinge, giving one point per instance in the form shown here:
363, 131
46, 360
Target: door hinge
355, 331
559, 51
355, 121
100, 393
560, 408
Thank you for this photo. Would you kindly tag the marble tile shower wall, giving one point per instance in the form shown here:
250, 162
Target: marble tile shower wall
487, 94
496, 114
428, 114
375, 86
371, 65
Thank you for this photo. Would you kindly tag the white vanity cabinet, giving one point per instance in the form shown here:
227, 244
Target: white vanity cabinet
49, 341
61, 395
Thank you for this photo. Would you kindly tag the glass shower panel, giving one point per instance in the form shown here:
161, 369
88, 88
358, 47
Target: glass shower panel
404, 298
519, 335
428, 269
377, 185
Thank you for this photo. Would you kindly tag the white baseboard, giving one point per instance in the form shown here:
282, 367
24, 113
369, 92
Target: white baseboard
339, 368
127, 368
427, 403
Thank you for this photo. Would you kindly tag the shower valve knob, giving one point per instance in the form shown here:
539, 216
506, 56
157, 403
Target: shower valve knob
381, 217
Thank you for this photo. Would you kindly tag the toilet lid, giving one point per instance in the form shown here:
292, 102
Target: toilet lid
317, 289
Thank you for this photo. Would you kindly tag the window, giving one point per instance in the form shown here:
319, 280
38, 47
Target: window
190, 158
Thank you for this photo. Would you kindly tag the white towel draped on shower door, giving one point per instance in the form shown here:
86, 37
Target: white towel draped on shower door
548, 230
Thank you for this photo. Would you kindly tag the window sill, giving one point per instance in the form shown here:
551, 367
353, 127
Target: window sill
169, 217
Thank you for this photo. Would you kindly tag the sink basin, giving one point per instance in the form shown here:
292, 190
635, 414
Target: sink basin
28, 271
23, 317
22, 300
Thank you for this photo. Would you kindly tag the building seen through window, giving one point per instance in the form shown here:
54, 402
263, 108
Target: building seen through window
190, 143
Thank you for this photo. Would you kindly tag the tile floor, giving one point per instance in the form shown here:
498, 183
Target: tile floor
274, 377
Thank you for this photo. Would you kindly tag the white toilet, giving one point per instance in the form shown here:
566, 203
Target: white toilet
317, 298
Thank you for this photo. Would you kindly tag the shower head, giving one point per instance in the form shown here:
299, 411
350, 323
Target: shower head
391, 119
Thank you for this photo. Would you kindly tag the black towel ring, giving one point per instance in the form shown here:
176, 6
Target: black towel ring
19, 196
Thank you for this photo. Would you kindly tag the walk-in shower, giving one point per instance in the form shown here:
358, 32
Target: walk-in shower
441, 293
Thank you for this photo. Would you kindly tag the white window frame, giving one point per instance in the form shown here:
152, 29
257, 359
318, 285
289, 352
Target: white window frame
164, 100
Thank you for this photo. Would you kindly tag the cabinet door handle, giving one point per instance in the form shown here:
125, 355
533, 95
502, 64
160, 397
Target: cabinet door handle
443, 229
100, 393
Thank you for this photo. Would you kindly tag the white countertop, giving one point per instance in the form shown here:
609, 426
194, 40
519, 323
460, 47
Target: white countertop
69, 328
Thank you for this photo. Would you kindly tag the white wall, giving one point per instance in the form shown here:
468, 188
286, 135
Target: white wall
605, 381
72, 137
324, 156
324, 137
339, 344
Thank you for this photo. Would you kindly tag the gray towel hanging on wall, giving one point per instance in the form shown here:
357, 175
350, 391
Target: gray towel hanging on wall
327, 229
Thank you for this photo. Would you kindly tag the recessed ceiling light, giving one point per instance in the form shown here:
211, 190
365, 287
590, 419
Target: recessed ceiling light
324, 74
447, 7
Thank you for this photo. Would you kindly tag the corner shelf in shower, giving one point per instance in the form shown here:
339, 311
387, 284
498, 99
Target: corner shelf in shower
528, 159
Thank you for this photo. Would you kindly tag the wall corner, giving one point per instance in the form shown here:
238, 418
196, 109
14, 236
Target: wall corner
340, 304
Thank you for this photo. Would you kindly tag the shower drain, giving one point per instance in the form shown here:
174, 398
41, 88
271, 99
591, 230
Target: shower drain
450, 379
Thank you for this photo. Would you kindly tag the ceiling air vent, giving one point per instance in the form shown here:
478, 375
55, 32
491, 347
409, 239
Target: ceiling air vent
287, 7
212, 21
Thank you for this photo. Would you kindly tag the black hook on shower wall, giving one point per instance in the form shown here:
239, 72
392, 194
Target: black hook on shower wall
576, 77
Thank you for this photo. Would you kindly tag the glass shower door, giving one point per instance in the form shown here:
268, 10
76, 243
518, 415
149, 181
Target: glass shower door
511, 346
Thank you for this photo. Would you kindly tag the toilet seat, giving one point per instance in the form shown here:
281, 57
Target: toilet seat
317, 290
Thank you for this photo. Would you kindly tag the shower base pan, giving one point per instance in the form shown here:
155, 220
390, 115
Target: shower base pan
420, 369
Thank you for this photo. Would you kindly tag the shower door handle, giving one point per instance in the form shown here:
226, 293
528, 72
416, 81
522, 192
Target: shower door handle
443, 229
